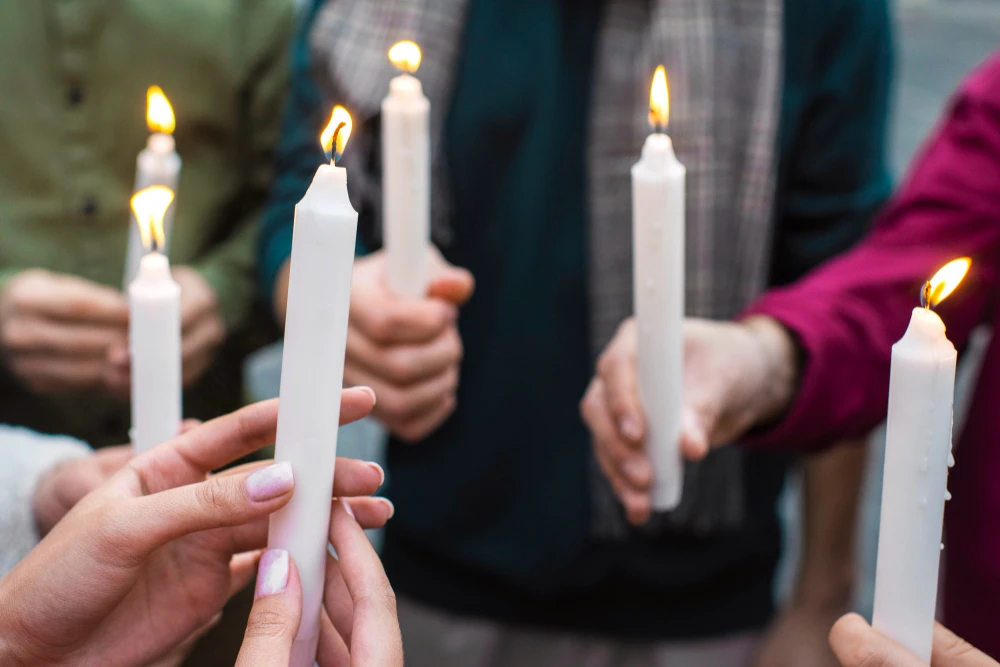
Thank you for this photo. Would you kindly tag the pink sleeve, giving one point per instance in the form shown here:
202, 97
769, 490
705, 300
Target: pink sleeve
847, 313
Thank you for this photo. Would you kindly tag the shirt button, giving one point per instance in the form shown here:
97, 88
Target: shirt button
75, 96
89, 207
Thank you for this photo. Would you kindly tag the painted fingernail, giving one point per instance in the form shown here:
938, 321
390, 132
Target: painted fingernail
629, 428
270, 482
272, 574
347, 508
637, 470
380, 471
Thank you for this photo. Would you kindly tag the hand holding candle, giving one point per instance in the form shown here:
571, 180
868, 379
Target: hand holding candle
157, 164
154, 329
658, 284
406, 180
312, 371
917, 458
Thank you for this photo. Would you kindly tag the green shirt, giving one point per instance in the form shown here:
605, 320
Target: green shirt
73, 77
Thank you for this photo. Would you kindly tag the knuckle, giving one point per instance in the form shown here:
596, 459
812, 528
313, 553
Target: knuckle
383, 326
214, 494
399, 367
266, 623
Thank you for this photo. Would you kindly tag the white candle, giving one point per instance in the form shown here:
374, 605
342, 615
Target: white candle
406, 160
914, 487
312, 372
154, 330
658, 283
157, 164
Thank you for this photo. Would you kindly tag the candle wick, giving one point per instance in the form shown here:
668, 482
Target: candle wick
925, 296
154, 246
336, 134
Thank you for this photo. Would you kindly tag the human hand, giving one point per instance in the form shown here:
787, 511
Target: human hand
407, 351
151, 557
857, 644
64, 485
202, 332
736, 375
359, 625
56, 330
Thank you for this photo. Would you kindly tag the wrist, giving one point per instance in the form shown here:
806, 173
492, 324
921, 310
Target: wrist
777, 353
828, 588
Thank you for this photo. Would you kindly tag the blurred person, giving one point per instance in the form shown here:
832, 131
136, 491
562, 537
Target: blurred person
538, 111
857, 644
147, 560
809, 363
74, 80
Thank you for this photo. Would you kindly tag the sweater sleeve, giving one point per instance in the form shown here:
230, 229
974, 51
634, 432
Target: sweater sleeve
847, 314
26, 456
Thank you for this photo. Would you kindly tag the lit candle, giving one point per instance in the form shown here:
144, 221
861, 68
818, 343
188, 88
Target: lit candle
157, 164
917, 458
154, 329
312, 374
406, 156
658, 285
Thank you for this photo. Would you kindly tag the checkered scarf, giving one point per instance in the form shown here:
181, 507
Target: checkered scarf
724, 62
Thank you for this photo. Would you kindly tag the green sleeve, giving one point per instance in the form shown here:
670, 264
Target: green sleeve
230, 267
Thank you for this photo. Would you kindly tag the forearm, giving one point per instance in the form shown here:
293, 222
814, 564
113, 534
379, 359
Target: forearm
831, 492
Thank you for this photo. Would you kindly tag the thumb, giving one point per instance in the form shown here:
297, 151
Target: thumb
449, 282
953, 651
276, 613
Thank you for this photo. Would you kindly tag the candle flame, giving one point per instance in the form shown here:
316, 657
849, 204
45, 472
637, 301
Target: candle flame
944, 282
149, 206
159, 113
337, 132
659, 100
405, 56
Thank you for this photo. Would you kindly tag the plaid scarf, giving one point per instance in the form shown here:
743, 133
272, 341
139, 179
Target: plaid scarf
724, 62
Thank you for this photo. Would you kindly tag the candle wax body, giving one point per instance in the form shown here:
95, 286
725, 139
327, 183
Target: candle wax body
917, 451
157, 164
406, 198
312, 374
155, 345
658, 284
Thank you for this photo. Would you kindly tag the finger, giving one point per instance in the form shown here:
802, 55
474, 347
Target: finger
623, 457
112, 459
404, 365
52, 374
856, 644
141, 525
621, 386
201, 338
189, 425
37, 335
402, 321
332, 650
242, 567
71, 298
448, 282
399, 404
353, 477
337, 600
694, 438
276, 613
950, 650
371, 512
418, 428
375, 637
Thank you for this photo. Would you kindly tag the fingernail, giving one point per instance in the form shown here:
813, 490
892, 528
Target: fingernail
381, 472
637, 470
272, 574
371, 392
347, 508
392, 508
270, 482
629, 428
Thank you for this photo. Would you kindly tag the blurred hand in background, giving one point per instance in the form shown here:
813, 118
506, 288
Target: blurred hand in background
857, 644
408, 351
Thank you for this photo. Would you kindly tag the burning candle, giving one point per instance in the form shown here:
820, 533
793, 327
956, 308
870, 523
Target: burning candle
154, 329
312, 374
157, 164
917, 458
658, 287
406, 198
